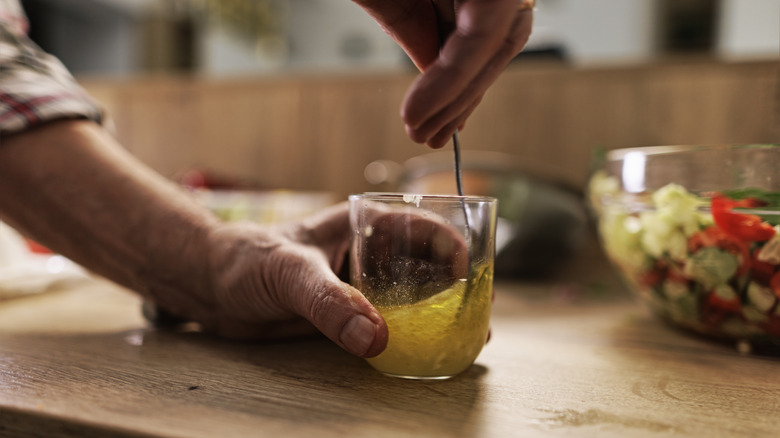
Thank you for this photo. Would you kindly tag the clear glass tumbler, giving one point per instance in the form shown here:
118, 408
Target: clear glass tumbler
426, 264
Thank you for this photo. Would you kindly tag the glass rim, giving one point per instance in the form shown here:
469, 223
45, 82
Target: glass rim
620, 153
413, 197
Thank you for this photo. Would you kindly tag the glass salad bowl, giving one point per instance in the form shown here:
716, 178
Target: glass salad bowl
694, 232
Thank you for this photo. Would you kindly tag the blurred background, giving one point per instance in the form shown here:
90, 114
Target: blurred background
230, 37
304, 94
299, 100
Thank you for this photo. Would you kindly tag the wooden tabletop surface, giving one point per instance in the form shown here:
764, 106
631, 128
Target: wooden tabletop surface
567, 358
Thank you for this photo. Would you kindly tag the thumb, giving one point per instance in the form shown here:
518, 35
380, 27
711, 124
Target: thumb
338, 310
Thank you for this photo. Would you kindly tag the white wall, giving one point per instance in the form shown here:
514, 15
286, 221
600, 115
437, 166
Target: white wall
92, 36
322, 35
338, 35
223, 52
749, 29
335, 35
598, 31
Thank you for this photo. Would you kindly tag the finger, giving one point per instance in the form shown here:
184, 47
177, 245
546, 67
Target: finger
445, 133
416, 234
481, 29
290, 280
344, 315
469, 63
336, 309
431, 248
445, 17
411, 23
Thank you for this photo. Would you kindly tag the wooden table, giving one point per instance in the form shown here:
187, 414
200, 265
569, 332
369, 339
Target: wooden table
568, 358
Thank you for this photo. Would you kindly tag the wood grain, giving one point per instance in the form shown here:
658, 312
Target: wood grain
573, 357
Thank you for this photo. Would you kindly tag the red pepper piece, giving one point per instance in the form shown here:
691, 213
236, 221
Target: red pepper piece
747, 227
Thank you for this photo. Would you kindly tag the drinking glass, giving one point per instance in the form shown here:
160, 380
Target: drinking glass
425, 262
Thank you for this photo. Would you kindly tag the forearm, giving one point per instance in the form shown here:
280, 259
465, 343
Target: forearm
70, 186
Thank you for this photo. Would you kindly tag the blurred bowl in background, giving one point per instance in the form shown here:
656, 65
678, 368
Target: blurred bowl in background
233, 198
542, 219
694, 232
269, 206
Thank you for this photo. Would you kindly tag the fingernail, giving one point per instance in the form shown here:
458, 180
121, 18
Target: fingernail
358, 335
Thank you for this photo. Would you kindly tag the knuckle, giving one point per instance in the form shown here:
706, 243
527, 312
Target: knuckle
324, 301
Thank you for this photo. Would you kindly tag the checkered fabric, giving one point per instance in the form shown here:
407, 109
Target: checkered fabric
34, 86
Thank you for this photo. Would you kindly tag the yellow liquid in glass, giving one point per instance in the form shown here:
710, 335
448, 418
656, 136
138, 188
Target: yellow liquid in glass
440, 336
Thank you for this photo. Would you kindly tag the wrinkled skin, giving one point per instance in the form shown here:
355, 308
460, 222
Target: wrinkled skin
87, 198
295, 289
281, 281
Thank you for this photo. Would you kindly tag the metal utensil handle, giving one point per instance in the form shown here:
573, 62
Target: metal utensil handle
459, 185
443, 31
466, 217
458, 174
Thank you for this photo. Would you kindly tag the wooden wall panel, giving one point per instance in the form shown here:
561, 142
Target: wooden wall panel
354, 124
253, 132
318, 132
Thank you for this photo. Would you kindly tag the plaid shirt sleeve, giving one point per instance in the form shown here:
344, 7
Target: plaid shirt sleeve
34, 86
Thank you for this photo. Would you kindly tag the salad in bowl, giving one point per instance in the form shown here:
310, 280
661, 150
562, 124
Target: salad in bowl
695, 231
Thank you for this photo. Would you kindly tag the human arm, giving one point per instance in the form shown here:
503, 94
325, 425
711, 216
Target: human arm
69, 185
66, 182
481, 38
